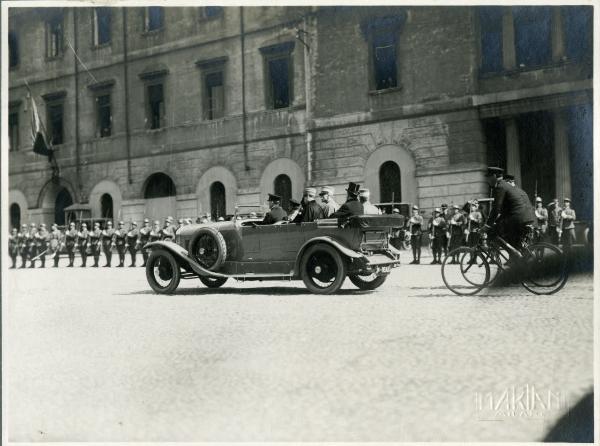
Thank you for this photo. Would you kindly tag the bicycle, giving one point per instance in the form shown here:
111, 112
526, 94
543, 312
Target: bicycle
542, 267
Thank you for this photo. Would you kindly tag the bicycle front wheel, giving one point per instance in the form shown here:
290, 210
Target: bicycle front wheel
465, 271
546, 269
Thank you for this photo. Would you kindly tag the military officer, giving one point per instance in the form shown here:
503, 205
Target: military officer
120, 236
276, 212
541, 217
144, 239
568, 224
13, 246
156, 232
437, 233
71, 243
415, 229
311, 210
456, 224
55, 240
42, 243
327, 202
22, 238
96, 243
168, 231
293, 212
83, 237
474, 222
32, 244
554, 222
351, 207
133, 242
108, 242
364, 196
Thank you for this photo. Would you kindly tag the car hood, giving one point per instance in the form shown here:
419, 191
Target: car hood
191, 229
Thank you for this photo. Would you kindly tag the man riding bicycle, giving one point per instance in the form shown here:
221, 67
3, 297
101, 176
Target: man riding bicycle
511, 210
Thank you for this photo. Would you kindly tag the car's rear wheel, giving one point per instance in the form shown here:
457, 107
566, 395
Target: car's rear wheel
369, 282
162, 271
209, 249
323, 269
213, 282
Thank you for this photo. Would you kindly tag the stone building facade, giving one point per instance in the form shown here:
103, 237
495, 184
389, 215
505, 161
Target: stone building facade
182, 111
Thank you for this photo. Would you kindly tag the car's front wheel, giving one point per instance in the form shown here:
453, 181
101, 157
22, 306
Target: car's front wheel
323, 269
162, 271
213, 282
369, 282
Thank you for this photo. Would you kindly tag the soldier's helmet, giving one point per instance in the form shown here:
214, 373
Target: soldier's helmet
156, 222
72, 224
134, 223
14, 230
97, 224
32, 225
109, 223
42, 226
146, 220
395, 211
84, 225
121, 223
23, 226
54, 226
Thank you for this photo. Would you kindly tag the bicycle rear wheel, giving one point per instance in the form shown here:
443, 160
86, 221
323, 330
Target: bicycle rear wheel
546, 269
469, 275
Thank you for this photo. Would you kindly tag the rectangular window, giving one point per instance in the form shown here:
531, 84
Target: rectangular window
13, 49
55, 123
577, 23
154, 18
384, 61
278, 83
156, 106
214, 95
102, 26
13, 131
54, 36
490, 24
103, 116
533, 42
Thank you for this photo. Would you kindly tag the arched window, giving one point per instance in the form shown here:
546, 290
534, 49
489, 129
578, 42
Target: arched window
106, 206
390, 189
217, 200
159, 185
63, 199
15, 215
282, 186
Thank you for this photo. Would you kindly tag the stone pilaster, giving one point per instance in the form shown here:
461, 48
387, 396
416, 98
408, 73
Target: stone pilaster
513, 156
561, 155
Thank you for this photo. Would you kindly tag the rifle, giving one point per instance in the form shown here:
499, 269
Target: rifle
39, 255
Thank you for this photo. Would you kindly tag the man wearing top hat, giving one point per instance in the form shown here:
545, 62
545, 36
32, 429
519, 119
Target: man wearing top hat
293, 212
311, 210
568, 224
541, 220
364, 196
276, 212
352, 206
327, 202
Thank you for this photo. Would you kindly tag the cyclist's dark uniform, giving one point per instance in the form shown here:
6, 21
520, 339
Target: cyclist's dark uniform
513, 212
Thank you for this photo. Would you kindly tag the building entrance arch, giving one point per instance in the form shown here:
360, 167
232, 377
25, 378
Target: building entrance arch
390, 170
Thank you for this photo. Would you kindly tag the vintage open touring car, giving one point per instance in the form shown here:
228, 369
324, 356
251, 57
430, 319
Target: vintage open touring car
320, 253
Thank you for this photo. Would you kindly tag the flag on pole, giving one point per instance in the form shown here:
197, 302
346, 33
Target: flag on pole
38, 132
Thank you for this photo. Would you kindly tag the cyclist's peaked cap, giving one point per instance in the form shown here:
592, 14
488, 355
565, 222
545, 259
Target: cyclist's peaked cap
491, 170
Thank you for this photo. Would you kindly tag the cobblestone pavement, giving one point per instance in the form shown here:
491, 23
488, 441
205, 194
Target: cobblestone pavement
93, 354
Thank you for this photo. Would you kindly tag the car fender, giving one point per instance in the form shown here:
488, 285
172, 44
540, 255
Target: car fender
182, 255
329, 240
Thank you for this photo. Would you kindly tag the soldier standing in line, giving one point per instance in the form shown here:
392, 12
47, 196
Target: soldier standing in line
554, 222
120, 236
22, 238
42, 237
13, 246
70, 243
327, 202
456, 223
168, 231
474, 222
144, 239
415, 229
156, 232
32, 244
96, 243
84, 241
437, 234
108, 242
445, 214
133, 242
568, 225
541, 220
55, 241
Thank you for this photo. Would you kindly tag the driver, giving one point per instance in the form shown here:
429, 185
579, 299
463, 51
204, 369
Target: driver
511, 209
276, 212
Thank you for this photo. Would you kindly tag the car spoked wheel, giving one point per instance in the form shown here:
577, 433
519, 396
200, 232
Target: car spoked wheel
162, 272
323, 269
209, 248
367, 282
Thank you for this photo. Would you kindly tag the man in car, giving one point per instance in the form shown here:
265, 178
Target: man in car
511, 209
276, 212
311, 210
327, 202
168, 231
293, 212
364, 196
352, 206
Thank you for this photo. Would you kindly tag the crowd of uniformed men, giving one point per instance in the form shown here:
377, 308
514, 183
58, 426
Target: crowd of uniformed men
447, 229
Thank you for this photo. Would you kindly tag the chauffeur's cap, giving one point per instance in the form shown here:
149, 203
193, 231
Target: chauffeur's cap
509, 177
491, 170
327, 190
295, 203
273, 197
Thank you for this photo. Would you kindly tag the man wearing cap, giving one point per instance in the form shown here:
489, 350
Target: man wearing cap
568, 225
133, 242
511, 209
311, 210
541, 217
276, 212
13, 246
144, 239
415, 229
84, 240
42, 243
351, 207
32, 244
96, 243
71, 242
474, 222
327, 202
22, 241
108, 242
554, 222
168, 231
368, 208
457, 224
437, 231
156, 232
120, 237
293, 211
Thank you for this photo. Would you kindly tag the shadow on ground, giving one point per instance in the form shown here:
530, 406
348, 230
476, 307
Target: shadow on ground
575, 426
266, 291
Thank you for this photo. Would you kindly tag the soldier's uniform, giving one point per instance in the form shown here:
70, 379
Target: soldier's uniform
13, 246
276, 213
120, 236
108, 235
55, 240
32, 244
167, 233
456, 224
541, 223
446, 237
156, 233
415, 229
474, 222
96, 243
84, 242
144, 239
71, 243
327, 202
22, 239
437, 234
568, 225
133, 242
554, 222
42, 243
